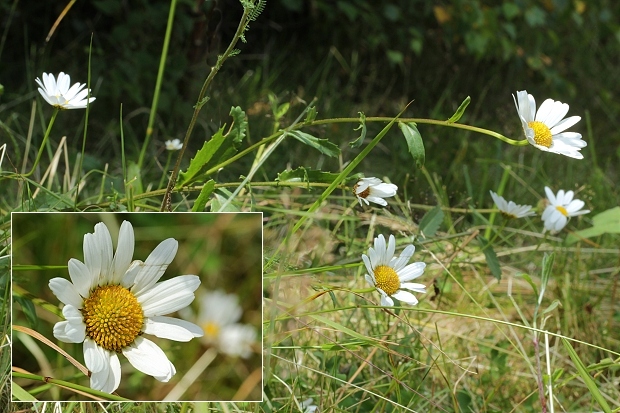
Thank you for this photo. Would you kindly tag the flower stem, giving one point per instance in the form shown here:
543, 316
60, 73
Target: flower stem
45, 138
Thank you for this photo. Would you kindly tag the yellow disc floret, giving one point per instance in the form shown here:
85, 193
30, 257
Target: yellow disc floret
542, 133
387, 279
562, 210
362, 194
113, 317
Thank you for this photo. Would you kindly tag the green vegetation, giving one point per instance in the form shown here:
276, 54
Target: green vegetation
281, 108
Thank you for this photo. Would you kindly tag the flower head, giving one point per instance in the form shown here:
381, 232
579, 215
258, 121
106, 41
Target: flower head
545, 128
389, 274
373, 190
510, 209
219, 316
174, 145
111, 301
561, 207
58, 93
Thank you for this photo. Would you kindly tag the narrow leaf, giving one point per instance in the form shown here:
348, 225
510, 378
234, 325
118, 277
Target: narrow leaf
491, 257
358, 142
583, 372
311, 116
547, 265
430, 222
607, 222
527, 278
459, 112
322, 145
414, 142
552, 307
203, 197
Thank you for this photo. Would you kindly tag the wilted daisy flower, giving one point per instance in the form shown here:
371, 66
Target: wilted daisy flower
111, 301
219, 313
510, 209
60, 94
373, 190
174, 145
389, 274
545, 128
561, 207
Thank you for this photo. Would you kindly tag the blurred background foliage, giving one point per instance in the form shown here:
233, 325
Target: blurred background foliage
224, 250
353, 55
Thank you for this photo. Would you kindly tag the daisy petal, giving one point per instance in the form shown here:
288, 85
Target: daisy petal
66, 292
169, 296
155, 265
147, 357
172, 328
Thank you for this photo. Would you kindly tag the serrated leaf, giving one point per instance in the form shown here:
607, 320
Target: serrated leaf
322, 145
203, 197
607, 222
430, 222
459, 112
216, 150
414, 142
358, 142
303, 174
491, 258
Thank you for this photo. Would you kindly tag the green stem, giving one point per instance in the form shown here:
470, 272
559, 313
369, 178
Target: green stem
62, 383
166, 203
160, 77
163, 175
45, 138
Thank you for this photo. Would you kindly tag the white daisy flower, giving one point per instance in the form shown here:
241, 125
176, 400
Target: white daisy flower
111, 301
58, 93
510, 209
373, 190
561, 207
309, 407
174, 145
389, 274
219, 314
545, 128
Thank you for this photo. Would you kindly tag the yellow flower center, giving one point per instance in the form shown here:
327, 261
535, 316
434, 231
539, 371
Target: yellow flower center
113, 317
212, 330
507, 215
387, 279
362, 194
542, 133
562, 210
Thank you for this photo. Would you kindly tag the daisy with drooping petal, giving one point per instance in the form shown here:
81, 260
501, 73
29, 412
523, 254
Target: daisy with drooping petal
373, 190
173, 145
60, 94
390, 274
510, 209
111, 301
219, 316
545, 128
561, 207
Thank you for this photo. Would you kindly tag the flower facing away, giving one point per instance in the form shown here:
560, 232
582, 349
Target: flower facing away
390, 274
111, 301
545, 128
373, 190
174, 145
60, 94
219, 316
510, 209
561, 207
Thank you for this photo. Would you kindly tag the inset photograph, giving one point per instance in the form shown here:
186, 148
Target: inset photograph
137, 306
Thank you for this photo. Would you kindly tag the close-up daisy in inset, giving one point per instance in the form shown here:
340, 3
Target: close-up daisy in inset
561, 207
218, 317
111, 302
546, 128
390, 274
60, 94
173, 145
510, 209
373, 190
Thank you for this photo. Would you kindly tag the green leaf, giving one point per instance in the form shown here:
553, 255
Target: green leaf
134, 178
585, 376
322, 145
459, 112
552, 307
528, 279
303, 174
547, 265
203, 197
607, 222
219, 200
430, 222
491, 257
414, 142
281, 110
29, 310
20, 394
216, 150
358, 142
311, 116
